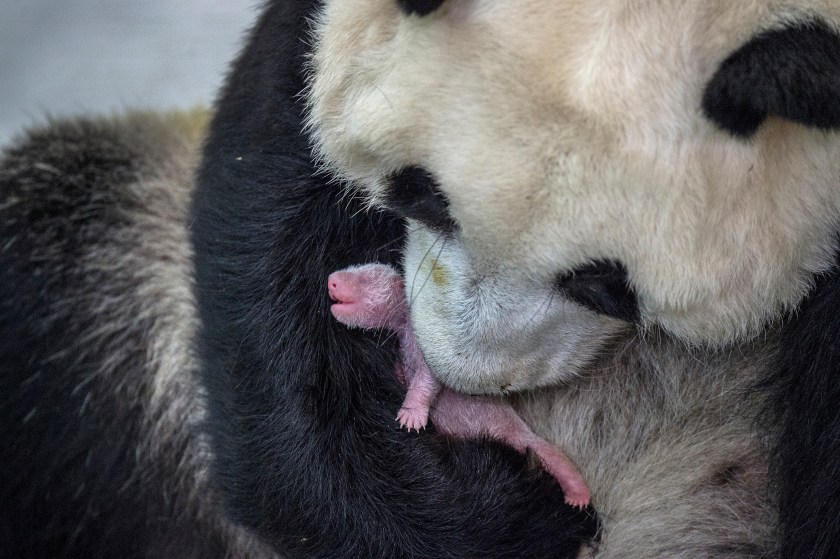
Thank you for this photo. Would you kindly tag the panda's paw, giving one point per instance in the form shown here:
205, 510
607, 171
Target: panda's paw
413, 419
577, 500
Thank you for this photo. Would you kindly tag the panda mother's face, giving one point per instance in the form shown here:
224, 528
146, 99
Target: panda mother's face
669, 162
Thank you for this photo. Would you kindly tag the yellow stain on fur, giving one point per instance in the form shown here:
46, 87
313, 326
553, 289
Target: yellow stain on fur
439, 274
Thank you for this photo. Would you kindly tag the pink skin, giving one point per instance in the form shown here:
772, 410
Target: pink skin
373, 296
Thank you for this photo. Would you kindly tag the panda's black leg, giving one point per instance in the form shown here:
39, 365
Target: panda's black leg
806, 384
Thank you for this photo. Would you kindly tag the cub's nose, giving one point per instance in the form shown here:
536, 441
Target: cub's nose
340, 287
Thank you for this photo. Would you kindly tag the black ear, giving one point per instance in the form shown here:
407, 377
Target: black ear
792, 73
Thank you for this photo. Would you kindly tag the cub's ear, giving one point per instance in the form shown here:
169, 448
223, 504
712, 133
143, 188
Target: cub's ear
792, 73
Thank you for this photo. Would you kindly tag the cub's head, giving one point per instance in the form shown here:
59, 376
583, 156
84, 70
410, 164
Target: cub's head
571, 166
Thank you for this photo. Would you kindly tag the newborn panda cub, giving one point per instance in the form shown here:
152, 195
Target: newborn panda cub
373, 296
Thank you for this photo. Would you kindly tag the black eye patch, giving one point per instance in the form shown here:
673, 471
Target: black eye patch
419, 7
414, 193
791, 73
602, 286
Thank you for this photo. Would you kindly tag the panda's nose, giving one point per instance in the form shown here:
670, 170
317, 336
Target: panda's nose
603, 286
414, 193
419, 7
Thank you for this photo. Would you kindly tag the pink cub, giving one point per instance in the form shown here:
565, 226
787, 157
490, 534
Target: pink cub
373, 296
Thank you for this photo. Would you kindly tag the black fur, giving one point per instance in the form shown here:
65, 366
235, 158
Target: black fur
81, 472
413, 192
806, 380
419, 7
602, 286
301, 408
792, 73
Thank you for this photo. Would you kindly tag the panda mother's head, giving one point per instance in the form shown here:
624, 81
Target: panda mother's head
670, 162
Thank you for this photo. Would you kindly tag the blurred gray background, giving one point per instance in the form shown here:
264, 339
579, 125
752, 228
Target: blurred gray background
63, 57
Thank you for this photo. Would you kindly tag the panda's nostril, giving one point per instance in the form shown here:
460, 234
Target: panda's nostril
419, 7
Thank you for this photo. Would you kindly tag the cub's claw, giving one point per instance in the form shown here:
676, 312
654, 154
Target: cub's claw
412, 420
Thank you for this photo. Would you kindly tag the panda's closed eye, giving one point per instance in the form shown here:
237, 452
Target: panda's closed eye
419, 7
414, 193
791, 73
602, 286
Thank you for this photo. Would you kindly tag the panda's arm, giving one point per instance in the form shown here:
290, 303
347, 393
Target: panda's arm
792, 72
301, 408
807, 391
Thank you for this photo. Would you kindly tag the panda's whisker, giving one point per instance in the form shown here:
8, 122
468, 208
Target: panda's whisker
387, 245
384, 96
431, 269
543, 307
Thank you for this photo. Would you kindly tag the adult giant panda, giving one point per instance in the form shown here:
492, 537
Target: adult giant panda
556, 160
674, 164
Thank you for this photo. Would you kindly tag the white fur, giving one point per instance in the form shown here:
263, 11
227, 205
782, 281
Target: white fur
509, 339
666, 440
563, 132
